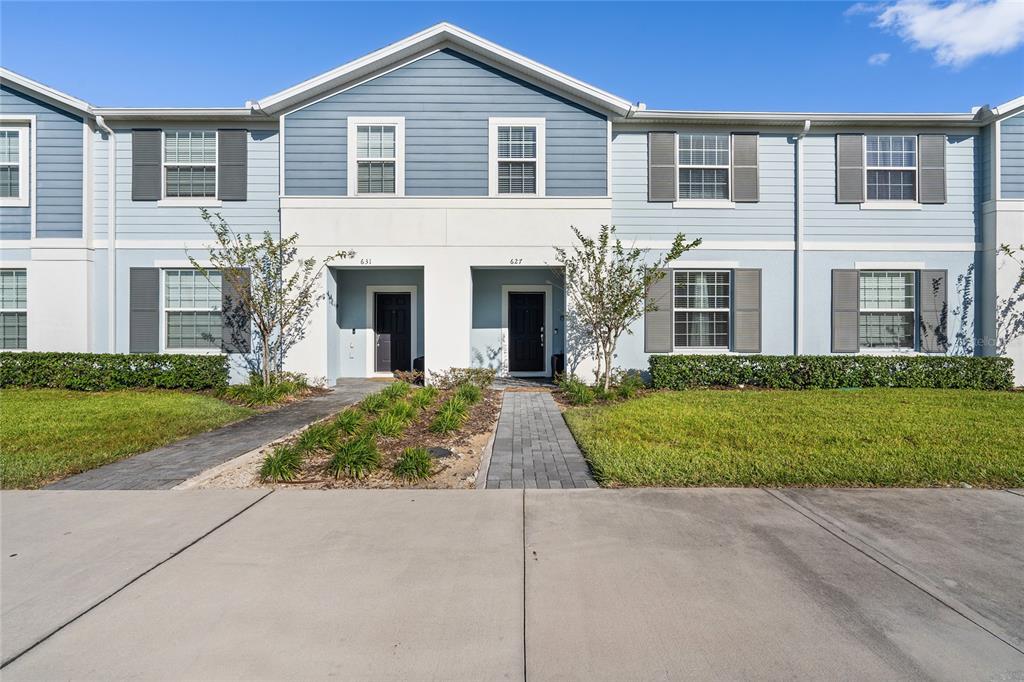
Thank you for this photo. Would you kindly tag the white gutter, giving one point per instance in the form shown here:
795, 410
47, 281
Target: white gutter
111, 234
798, 264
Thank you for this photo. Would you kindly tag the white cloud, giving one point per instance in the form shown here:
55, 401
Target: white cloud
879, 59
956, 32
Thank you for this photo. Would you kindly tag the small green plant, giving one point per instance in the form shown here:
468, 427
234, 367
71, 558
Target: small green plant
629, 385
414, 464
404, 410
357, 458
422, 397
320, 436
348, 422
282, 464
450, 416
457, 376
396, 390
387, 425
471, 393
577, 392
375, 403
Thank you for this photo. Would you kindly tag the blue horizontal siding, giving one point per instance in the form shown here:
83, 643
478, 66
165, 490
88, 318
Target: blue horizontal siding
446, 99
1011, 157
58, 199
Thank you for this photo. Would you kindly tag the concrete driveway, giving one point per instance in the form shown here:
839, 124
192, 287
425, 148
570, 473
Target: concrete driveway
635, 584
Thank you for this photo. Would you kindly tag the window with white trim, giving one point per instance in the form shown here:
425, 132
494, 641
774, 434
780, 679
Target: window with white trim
192, 310
376, 159
190, 164
517, 159
13, 309
701, 302
14, 161
887, 309
703, 166
891, 167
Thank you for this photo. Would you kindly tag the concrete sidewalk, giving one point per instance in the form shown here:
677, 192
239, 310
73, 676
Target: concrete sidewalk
604, 584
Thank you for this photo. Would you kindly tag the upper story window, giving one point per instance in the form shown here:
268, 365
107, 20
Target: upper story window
887, 309
13, 309
703, 166
891, 167
701, 305
192, 310
190, 164
14, 177
376, 164
516, 157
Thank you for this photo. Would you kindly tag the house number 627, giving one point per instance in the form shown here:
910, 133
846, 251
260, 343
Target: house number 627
516, 261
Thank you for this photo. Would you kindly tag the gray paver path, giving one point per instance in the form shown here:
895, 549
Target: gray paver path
167, 466
533, 447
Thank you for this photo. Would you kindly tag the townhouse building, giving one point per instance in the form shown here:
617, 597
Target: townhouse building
443, 169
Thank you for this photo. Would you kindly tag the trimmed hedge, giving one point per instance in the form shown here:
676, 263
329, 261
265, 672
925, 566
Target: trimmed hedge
830, 371
107, 371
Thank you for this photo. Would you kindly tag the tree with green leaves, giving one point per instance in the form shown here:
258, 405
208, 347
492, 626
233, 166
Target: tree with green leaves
269, 286
606, 287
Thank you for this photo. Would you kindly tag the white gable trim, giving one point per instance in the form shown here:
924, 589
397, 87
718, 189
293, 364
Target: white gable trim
44, 92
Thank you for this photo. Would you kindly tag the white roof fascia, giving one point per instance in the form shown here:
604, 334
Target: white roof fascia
45, 92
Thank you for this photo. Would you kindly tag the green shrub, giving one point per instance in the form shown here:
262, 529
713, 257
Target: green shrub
471, 393
831, 371
414, 464
396, 390
387, 425
375, 403
282, 464
480, 377
348, 422
404, 410
356, 458
576, 392
422, 397
629, 384
322, 436
108, 371
451, 415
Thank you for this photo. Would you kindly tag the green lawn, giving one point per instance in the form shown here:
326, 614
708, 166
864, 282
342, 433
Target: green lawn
46, 434
869, 437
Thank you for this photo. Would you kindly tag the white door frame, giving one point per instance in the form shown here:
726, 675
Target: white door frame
371, 320
545, 289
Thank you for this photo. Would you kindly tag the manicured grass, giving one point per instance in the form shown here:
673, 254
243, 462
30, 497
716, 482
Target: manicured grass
47, 433
869, 437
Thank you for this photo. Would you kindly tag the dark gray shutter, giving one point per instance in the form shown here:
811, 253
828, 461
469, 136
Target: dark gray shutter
746, 300
932, 297
144, 310
931, 169
146, 170
849, 169
744, 167
845, 311
236, 325
662, 167
658, 316
232, 165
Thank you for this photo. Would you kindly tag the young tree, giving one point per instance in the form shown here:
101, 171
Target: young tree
268, 285
606, 285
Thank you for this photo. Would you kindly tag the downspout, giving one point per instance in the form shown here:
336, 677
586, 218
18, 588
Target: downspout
111, 234
798, 292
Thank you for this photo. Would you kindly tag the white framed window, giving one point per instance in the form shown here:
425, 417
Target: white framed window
376, 156
888, 308
704, 166
13, 309
14, 165
891, 165
192, 310
701, 303
516, 152
190, 164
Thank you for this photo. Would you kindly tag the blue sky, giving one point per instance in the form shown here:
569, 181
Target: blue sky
810, 56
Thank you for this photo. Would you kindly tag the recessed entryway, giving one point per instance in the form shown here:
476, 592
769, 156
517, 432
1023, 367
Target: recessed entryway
526, 329
391, 313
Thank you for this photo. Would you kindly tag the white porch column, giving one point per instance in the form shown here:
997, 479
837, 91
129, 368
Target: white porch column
448, 313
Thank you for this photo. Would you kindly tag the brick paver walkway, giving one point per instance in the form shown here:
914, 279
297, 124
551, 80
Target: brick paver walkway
533, 447
172, 464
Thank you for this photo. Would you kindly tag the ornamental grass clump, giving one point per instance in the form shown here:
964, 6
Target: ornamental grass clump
471, 393
348, 422
451, 415
387, 425
577, 392
423, 397
322, 436
357, 457
281, 465
375, 403
396, 390
404, 410
414, 464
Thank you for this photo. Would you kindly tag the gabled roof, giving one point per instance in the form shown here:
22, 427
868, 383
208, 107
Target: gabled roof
45, 92
434, 38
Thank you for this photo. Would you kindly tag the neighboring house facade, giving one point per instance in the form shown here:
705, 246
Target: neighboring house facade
443, 170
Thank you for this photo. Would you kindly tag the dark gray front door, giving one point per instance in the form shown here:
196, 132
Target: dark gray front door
525, 332
393, 330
